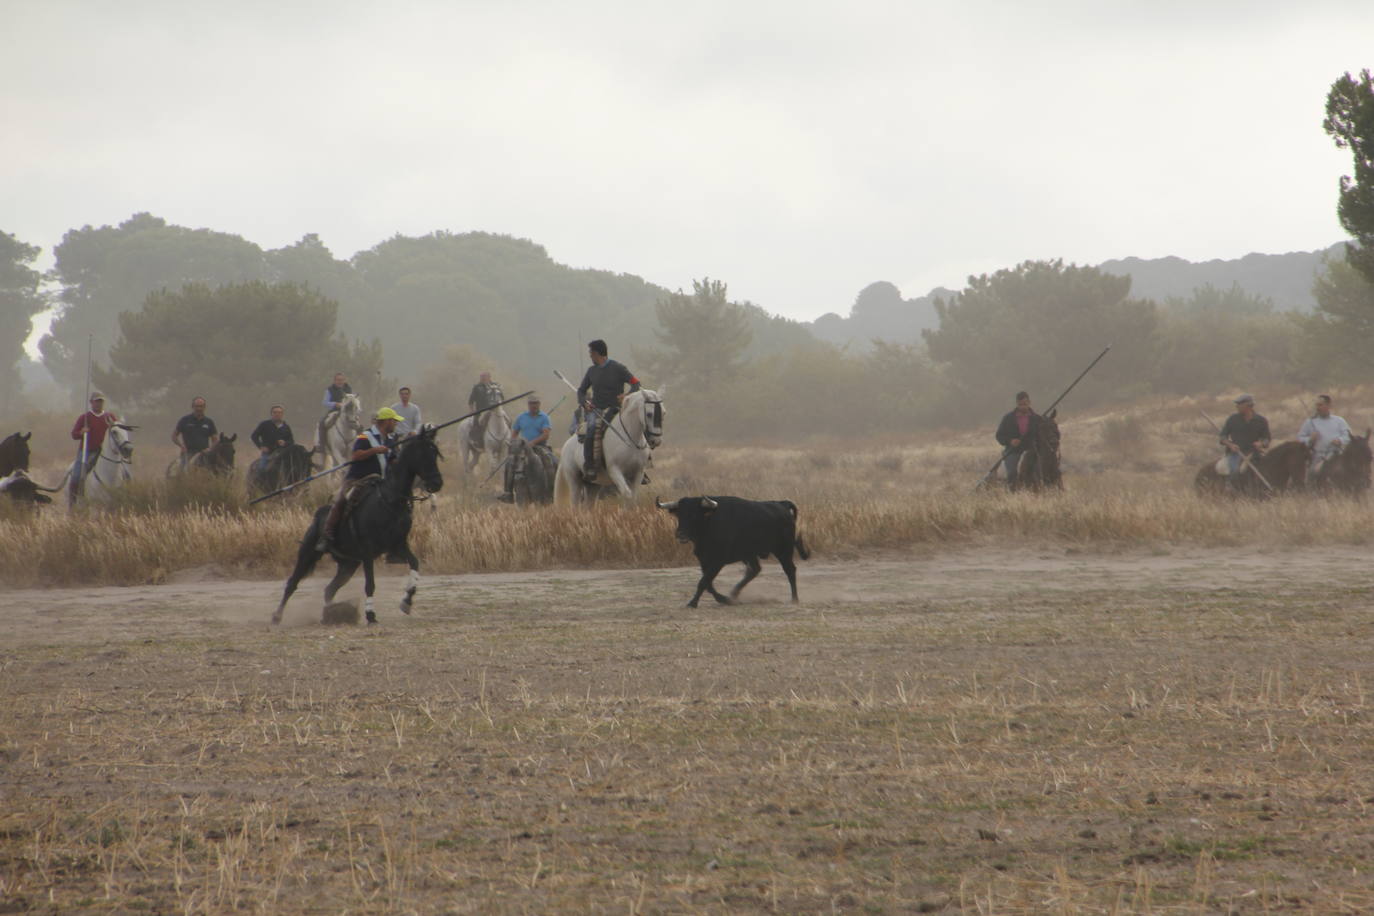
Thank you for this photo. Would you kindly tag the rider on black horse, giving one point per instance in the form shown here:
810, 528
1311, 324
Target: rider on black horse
271, 436
533, 428
371, 451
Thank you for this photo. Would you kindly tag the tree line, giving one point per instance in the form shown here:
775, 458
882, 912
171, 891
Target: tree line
177, 310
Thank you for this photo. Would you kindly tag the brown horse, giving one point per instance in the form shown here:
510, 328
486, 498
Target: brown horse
1284, 467
14, 454
1347, 472
1039, 464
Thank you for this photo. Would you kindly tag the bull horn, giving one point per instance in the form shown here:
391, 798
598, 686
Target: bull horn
669, 506
709, 503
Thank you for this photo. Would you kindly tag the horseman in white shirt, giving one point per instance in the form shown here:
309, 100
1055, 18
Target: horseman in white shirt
1326, 434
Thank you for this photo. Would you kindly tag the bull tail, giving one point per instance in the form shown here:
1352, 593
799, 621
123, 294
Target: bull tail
802, 550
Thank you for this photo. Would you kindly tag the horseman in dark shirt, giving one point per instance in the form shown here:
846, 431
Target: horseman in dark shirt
272, 435
1016, 433
371, 450
600, 393
333, 400
484, 394
1245, 434
195, 432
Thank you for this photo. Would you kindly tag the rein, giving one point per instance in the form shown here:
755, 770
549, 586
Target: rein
643, 434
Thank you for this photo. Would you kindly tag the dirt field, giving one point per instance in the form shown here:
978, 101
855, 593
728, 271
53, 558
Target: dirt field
982, 731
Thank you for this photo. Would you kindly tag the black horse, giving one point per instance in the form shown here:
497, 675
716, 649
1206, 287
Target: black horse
14, 454
1284, 470
218, 459
1347, 472
1039, 464
283, 467
379, 523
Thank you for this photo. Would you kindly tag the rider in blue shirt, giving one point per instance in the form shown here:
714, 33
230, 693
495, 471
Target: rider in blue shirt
534, 428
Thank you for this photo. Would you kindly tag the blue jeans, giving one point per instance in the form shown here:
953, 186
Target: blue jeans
1010, 462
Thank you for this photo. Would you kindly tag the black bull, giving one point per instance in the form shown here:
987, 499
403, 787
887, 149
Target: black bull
727, 529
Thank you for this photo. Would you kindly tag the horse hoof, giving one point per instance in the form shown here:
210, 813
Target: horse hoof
371, 618
405, 607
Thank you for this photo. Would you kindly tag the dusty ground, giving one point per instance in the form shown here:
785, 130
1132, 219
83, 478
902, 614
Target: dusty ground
982, 730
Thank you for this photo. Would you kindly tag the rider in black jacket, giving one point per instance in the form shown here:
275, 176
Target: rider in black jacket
600, 392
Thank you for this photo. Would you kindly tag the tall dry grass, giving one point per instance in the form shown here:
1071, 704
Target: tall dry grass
852, 499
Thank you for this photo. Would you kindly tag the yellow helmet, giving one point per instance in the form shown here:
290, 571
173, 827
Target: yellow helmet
386, 413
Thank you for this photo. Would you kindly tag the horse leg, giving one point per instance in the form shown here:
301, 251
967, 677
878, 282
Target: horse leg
369, 587
306, 558
412, 577
751, 569
627, 491
342, 574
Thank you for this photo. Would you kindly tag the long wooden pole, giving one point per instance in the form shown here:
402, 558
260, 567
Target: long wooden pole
1007, 451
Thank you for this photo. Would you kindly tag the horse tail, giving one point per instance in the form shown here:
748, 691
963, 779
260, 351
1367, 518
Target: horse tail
562, 488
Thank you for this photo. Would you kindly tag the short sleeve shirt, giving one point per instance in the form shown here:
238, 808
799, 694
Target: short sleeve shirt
529, 427
196, 433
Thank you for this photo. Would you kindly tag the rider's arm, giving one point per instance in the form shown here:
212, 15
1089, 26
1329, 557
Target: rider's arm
630, 379
328, 404
176, 437
1305, 434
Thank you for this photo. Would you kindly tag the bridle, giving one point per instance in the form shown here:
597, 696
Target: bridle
652, 435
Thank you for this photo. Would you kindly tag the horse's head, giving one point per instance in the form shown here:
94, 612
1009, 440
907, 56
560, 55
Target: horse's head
351, 410
421, 456
223, 452
1356, 460
652, 405
14, 452
119, 442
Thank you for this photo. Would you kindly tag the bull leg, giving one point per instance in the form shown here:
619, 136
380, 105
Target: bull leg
412, 577
789, 566
751, 569
369, 588
704, 584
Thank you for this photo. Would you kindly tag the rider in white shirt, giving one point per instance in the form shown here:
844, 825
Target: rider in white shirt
1326, 434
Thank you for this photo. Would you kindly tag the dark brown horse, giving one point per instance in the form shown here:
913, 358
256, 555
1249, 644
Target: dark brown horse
14, 454
1284, 467
1039, 465
218, 459
1347, 472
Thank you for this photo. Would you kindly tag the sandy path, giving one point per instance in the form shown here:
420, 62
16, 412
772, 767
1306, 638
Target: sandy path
199, 600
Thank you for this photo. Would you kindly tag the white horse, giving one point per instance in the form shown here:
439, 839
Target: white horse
633, 432
114, 466
495, 440
338, 429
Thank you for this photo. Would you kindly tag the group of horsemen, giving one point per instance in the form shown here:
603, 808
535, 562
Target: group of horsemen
1245, 437
599, 395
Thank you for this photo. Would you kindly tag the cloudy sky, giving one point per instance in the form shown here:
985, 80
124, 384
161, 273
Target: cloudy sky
796, 150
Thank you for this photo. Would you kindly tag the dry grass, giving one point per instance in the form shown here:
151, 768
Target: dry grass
851, 499
536, 748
